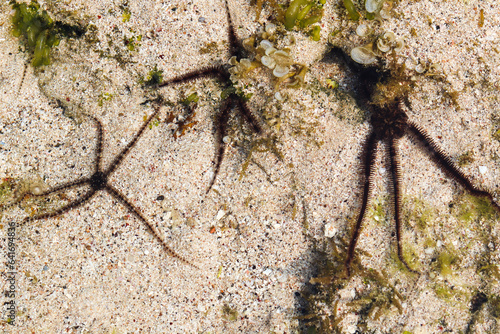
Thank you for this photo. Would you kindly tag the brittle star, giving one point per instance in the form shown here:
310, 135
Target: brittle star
389, 123
232, 99
99, 181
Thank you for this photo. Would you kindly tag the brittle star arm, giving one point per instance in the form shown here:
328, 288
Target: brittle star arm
395, 175
445, 162
61, 187
220, 133
208, 72
249, 116
137, 212
82, 200
368, 158
234, 44
127, 148
97, 165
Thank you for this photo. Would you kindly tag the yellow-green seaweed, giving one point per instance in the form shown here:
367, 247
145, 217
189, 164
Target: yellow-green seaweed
154, 77
315, 33
351, 10
303, 13
39, 30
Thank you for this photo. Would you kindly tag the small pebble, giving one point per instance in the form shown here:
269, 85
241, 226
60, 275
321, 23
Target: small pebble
220, 214
330, 230
483, 169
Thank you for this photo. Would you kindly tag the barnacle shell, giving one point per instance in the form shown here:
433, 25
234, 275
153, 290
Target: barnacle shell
373, 6
363, 55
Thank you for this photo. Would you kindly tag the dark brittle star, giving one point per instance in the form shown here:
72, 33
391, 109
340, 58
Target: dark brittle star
389, 123
99, 181
231, 101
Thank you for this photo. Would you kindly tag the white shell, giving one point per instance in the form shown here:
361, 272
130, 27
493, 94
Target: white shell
330, 230
382, 45
281, 71
420, 68
373, 6
435, 68
362, 30
363, 55
36, 190
265, 44
385, 14
389, 36
270, 28
270, 51
268, 61
399, 45
410, 64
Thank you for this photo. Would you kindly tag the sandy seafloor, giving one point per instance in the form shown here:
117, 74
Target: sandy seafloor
96, 269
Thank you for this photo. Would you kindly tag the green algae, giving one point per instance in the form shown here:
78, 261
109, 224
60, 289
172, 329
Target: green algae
351, 10
303, 14
39, 31
153, 78
6, 187
472, 209
229, 313
466, 159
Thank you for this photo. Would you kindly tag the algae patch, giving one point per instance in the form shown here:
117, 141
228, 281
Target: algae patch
39, 31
